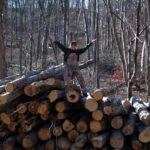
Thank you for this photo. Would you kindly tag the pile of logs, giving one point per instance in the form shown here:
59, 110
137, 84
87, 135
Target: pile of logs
37, 113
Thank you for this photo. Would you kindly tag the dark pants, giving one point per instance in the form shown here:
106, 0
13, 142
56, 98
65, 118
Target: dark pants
71, 72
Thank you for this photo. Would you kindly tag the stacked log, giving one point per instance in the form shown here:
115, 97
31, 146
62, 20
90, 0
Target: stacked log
42, 115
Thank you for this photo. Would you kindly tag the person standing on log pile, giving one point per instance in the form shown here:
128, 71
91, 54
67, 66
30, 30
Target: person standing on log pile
71, 66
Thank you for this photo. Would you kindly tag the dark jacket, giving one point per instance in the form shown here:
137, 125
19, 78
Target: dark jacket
68, 51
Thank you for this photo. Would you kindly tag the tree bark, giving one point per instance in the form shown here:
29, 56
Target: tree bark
142, 111
3, 67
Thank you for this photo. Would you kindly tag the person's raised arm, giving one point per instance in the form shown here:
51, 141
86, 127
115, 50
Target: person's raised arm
62, 47
82, 50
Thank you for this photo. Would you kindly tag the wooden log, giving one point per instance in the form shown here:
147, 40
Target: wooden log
67, 125
44, 133
55, 95
73, 96
22, 108
56, 83
100, 140
72, 135
7, 97
56, 71
143, 113
135, 143
62, 116
82, 124
90, 104
57, 131
43, 107
9, 143
15, 84
117, 139
117, 122
147, 104
5, 118
144, 134
50, 145
46, 116
62, 106
36, 88
97, 126
29, 140
81, 140
97, 94
63, 143
97, 115
12, 126
8, 79
33, 107
113, 110
129, 126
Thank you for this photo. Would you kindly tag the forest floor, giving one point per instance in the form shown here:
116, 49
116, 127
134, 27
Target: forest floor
118, 88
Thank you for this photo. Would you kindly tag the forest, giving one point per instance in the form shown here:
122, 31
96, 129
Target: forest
121, 27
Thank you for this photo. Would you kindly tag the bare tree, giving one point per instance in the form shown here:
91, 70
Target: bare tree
3, 68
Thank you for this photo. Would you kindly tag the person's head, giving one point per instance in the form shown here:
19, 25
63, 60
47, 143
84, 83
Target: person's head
73, 45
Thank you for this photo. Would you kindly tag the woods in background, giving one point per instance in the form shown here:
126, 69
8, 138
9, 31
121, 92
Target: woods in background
121, 28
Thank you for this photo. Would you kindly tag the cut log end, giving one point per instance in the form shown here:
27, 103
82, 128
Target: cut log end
72, 135
5, 118
12, 126
128, 130
27, 143
42, 108
95, 126
136, 145
97, 115
21, 108
144, 135
81, 126
30, 90
107, 110
117, 139
44, 134
67, 125
53, 96
117, 122
9, 87
57, 131
73, 96
98, 95
91, 105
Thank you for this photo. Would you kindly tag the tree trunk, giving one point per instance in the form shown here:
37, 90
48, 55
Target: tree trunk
3, 67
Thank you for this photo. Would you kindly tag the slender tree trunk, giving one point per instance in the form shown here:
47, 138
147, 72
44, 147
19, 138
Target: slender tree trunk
97, 46
3, 68
117, 39
147, 39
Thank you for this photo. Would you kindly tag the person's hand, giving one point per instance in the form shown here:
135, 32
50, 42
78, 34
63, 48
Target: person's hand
93, 40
